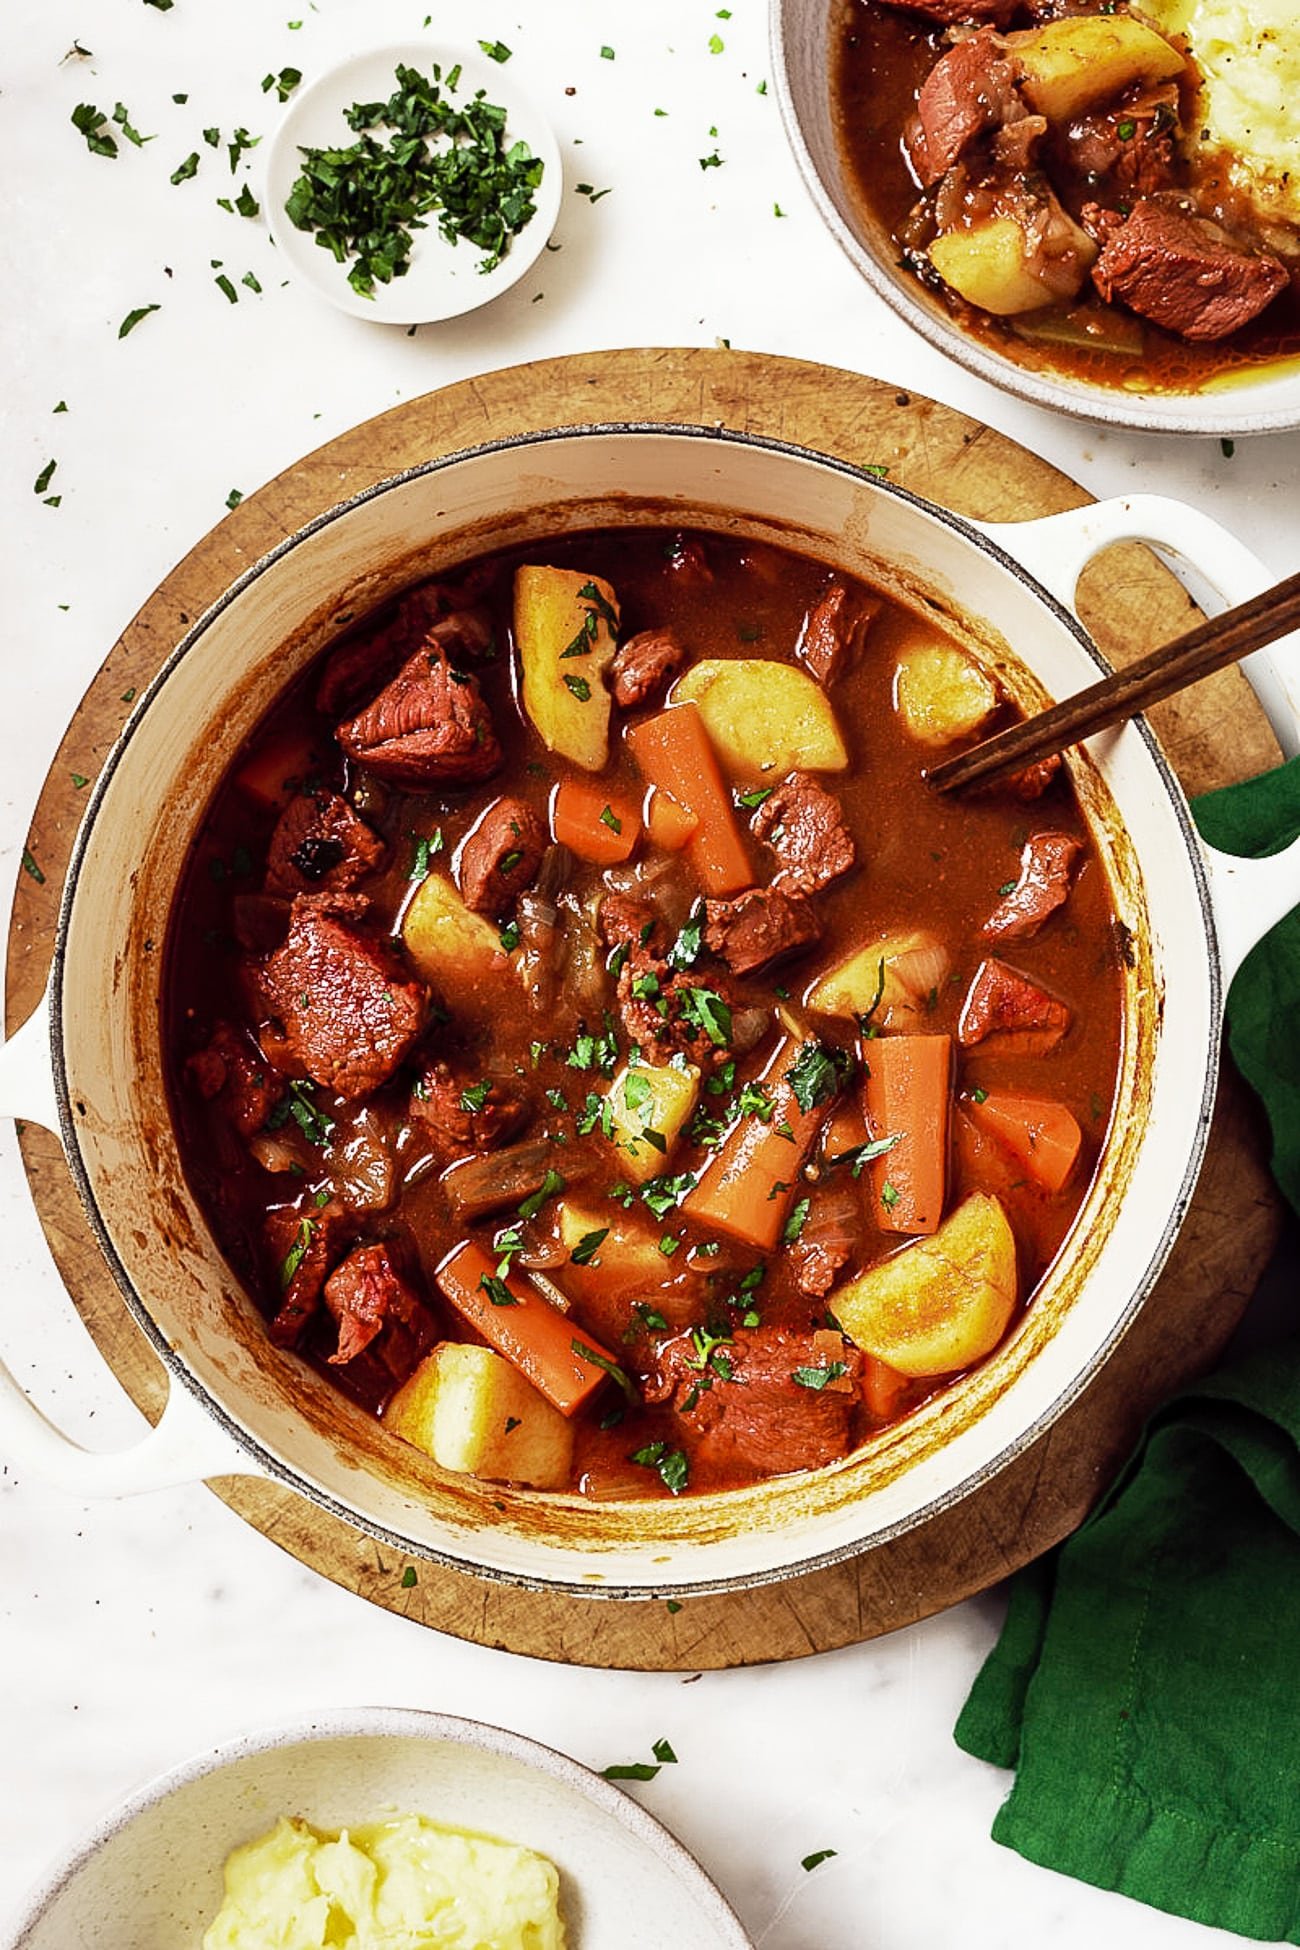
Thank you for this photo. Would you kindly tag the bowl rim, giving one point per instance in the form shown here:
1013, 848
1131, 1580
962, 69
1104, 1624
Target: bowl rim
384, 1723
1195, 414
294, 1477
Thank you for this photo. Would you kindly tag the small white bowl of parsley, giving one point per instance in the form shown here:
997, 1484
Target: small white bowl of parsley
413, 183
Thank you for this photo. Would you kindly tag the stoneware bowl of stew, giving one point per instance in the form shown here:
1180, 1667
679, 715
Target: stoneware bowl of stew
1073, 208
151, 1874
396, 1191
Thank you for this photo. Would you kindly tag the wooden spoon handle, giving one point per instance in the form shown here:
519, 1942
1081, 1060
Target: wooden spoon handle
1211, 646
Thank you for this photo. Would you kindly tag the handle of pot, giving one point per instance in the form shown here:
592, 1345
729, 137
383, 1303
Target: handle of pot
186, 1446
1249, 896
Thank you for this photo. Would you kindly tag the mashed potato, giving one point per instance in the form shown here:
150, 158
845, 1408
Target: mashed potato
1248, 52
404, 1884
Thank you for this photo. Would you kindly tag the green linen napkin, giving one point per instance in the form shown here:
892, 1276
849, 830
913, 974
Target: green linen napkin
1146, 1686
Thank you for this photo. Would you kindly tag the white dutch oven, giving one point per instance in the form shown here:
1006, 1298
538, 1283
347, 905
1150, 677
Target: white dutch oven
89, 1063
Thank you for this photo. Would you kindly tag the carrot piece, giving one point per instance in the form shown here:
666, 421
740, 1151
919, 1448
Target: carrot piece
667, 821
541, 1342
907, 1095
592, 824
674, 752
846, 1129
884, 1389
745, 1188
1044, 1136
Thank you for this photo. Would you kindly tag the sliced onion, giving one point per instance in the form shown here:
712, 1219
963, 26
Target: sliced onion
361, 1165
921, 970
834, 1219
276, 1151
620, 1483
549, 1291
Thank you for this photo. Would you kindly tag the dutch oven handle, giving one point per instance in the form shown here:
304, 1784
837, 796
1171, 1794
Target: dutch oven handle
186, 1445
1248, 896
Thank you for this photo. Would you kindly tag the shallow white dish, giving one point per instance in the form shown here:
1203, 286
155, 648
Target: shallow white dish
149, 1877
443, 279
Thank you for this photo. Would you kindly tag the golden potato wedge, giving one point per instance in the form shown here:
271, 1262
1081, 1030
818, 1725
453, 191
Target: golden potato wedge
1010, 264
566, 644
648, 1104
763, 718
627, 1256
474, 1413
449, 945
895, 980
940, 694
942, 1303
1072, 65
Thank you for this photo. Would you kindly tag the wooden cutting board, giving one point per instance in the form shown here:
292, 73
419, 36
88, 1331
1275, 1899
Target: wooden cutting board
1130, 603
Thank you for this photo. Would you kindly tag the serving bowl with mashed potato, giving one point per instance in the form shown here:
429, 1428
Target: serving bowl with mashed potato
1095, 206
541, 1853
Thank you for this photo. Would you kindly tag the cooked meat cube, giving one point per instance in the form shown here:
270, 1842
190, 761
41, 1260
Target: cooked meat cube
367, 1295
303, 1241
347, 1012
625, 920
754, 1414
501, 856
804, 826
320, 843
817, 1264
1004, 1004
369, 656
1046, 864
833, 631
663, 1013
235, 1072
761, 926
1033, 780
464, 1114
968, 92
1127, 149
429, 725
643, 666
1185, 274
960, 13
686, 558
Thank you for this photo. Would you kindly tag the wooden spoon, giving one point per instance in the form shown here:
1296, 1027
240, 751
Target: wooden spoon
1211, 646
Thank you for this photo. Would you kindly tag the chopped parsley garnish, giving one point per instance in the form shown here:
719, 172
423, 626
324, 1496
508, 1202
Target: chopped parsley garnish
864, 1019
685, 951
822, 1855
591, 1052
982, 1097
30, 867
512, 1423
711, 162
716, 43
650, 1317
509, 937
663, 1753
409, 1578
240, 141
1008, 887
602, 1361
532, 1205
862, 1154
93, 124
364, 202
496, 50
425, 848
283, 83
44, 478
607, 54
497, 1291
752, 799
475, 1095
637, 1090
133, 318
707, 1008
223, 283
661, 1194
584, 1253
796, 1222
819, 1377
596, 1111
669, 1244
234, 498
673, 1470
889, 1196
630, 1770
755, 1102
190, 167
815, 1075
578, 685
294, 1257
611, 819
1126, 131
297, 1103
506, 1246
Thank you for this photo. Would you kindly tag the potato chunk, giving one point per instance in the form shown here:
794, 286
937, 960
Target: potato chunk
627, 1256
474, 1413
941, 695
648, 1104
894, 980
763, 718
1011, 264
1072, 65
941, 1304
566, 644
450, 946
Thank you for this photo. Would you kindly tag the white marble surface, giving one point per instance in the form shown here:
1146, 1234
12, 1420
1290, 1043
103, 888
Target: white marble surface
134, 1633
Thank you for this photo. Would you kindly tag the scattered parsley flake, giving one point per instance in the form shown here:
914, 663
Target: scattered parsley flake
223, 283
818, 1378
815, 1075
252, 282
234, 498
44, 478
190, 167
497, 1291
30, 866
123, 120
294, 1257
78, 780
756, 798
133, 318
1227, 448
674, 1472
62, 407
408, 1576
796, 1222
283, 83
579, 686
550, 1185
889, 1196
663, 1753
496, 50
602, 1361
247, 204
630, 1770
716, 43
674, 1606
822, 1855
584, 1253
93, 124
711, 162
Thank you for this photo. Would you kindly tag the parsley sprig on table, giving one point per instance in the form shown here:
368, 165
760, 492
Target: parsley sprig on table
364, 202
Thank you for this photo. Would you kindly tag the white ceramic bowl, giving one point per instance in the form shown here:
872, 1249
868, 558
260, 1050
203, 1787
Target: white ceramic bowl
149, 1877
91, 1063
804, 34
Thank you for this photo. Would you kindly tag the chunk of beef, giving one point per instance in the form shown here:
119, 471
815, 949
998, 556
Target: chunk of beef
760, 927
817, 1264
662, 1012
1006, 1006
464, 1114
960, 13
687, 560
347, 1013
643, 666
1046, 864
1126, 150
369, 655
368, 1296
969, 91
1032, 781
320, 843
429, 725
804, 826
501, 856
626, 921
833, 632
234, 1073
303, 1241
754, 1415
1185, 273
